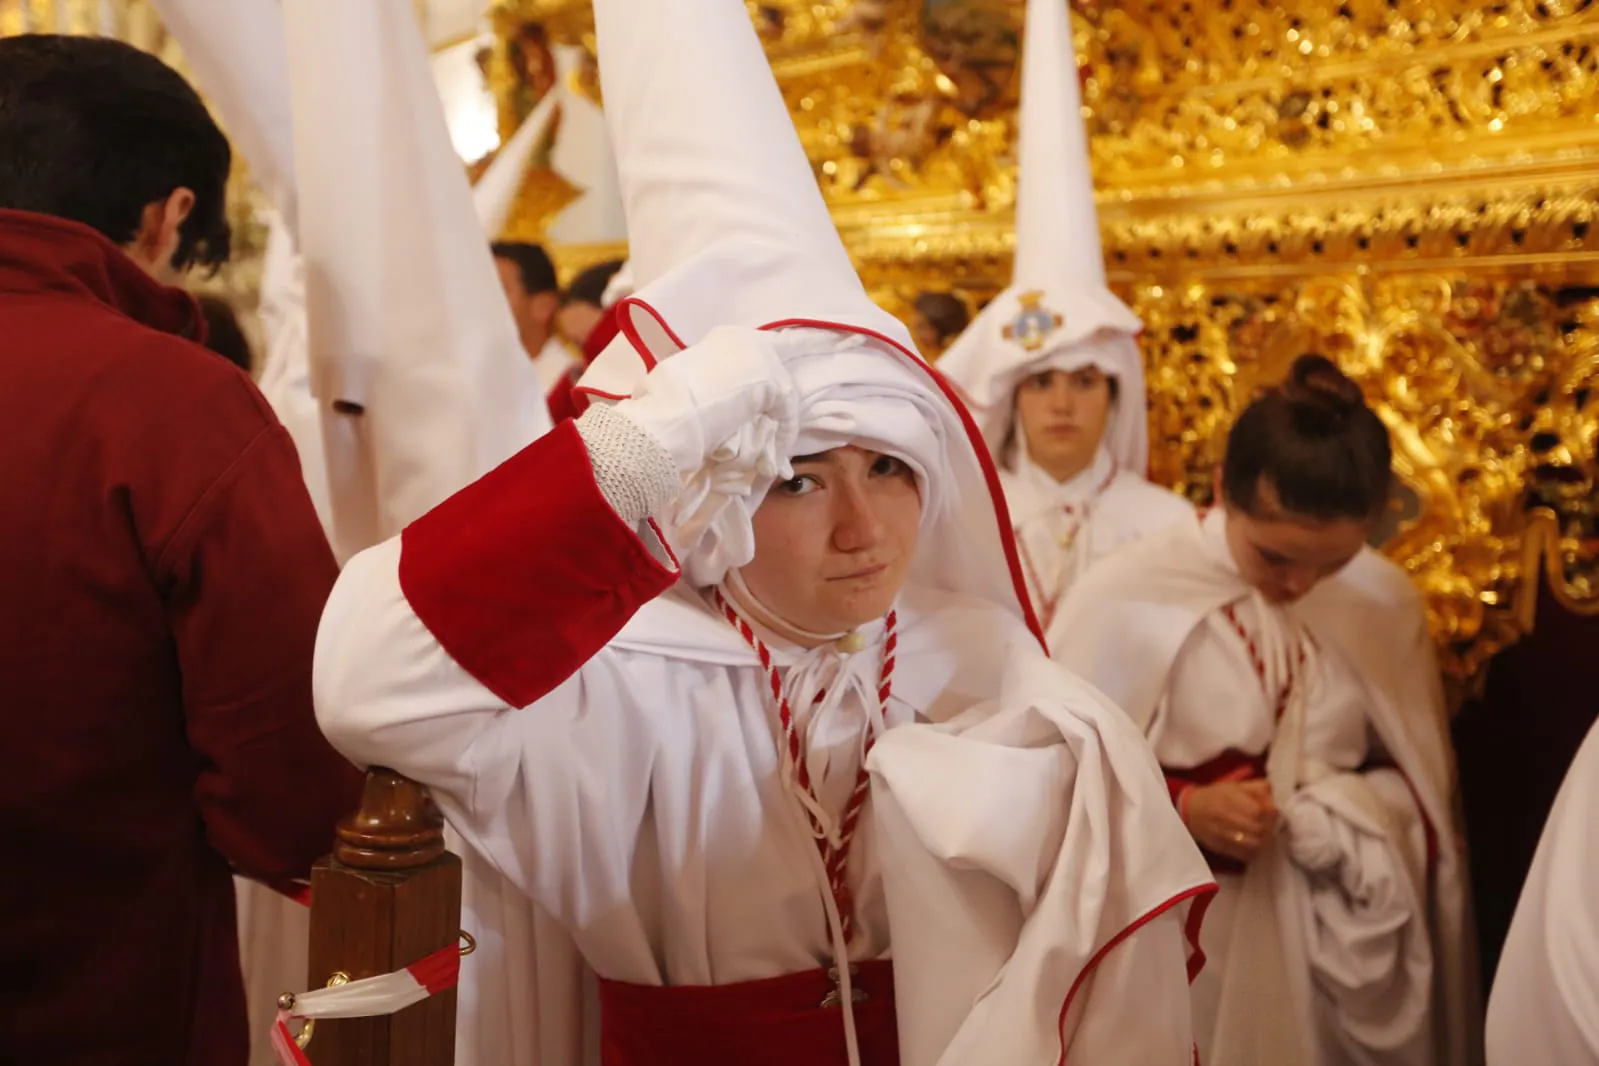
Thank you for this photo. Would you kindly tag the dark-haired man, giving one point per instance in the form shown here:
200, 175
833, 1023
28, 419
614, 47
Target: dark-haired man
583, 304
937, 318
163, 572
587, 320
528, 276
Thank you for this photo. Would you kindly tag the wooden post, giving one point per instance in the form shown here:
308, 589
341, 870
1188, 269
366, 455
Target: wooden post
389, 896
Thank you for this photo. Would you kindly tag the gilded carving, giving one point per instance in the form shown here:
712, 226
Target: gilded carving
1409, 186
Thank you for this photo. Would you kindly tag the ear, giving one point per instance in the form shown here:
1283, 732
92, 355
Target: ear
157, 240
1218, 497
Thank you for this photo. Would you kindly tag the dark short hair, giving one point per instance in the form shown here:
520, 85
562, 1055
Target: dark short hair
945, 312
223, 333
94, 130
1312, 439
532, 264
590, 285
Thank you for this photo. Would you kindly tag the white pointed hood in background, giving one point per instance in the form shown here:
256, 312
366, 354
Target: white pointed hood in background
1057, 312
583, 151
496, 190
727, 228
236, 50
408, 323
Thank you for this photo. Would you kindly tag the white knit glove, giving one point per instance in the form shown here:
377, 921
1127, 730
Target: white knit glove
726, 408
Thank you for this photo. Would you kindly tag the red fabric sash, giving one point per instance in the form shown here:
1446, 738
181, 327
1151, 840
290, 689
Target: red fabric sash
1230, 765
775, 1022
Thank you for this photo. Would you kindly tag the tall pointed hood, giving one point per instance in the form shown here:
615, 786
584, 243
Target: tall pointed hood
1057, 312
237, 53
495, 192
727, 228
408, 322
718, 194
583, 150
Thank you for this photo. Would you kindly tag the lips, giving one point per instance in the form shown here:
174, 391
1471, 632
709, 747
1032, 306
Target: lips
864, 574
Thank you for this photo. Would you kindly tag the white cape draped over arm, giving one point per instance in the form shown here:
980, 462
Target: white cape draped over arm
1015, 817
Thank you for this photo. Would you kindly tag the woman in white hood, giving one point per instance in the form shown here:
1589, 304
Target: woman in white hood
1284, 675
1051, 368
733, 674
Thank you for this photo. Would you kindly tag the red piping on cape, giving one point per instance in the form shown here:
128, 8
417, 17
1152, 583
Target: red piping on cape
996, 493
1200, 894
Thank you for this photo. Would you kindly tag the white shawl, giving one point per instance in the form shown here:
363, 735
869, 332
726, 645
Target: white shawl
1123, 628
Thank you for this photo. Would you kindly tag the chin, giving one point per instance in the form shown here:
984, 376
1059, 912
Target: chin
849, 612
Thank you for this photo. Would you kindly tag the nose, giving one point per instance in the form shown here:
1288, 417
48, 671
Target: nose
1297, 582
1062, 397
856, 524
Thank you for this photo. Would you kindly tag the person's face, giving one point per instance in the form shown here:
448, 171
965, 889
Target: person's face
532, 311
158, 238
834, 543
1063, 414
1283, 555
574, 322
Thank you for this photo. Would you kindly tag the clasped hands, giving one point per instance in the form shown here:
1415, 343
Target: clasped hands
1231, 818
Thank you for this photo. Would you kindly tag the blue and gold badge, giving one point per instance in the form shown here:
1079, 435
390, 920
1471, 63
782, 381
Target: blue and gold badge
1033, 325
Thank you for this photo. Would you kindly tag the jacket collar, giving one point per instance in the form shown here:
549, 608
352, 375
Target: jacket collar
45, 254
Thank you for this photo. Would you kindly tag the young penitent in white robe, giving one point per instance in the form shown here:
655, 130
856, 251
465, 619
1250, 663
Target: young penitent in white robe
1057, 314
1018, 889
1064, 527
1344, 941
1544, 1010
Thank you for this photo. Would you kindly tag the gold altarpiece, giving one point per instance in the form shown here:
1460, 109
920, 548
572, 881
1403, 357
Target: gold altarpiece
1407, 185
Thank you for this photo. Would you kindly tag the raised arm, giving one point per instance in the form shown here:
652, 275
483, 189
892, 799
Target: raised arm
504, 591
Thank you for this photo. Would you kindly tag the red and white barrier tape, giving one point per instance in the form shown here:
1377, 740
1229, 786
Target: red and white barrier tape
369, 997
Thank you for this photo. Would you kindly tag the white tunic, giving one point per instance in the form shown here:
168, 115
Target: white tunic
641, 804
550, 365
1063, 528
1544, 1010
1215, 701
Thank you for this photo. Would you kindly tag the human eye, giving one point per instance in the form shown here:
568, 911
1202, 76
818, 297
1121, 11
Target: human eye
798, 485
1271, 558
890, 466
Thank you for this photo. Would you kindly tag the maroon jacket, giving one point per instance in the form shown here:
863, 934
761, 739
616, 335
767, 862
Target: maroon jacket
161, 577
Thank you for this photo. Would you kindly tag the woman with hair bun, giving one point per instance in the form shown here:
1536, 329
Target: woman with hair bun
1284, 675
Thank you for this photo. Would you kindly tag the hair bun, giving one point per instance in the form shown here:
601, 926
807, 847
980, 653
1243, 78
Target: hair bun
1323, 397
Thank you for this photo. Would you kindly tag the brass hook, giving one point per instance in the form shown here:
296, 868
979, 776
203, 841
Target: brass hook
286, 1001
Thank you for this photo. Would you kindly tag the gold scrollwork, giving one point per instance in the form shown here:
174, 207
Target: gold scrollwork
1406, 185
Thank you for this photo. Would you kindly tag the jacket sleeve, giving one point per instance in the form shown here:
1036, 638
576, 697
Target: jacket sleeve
244, 579
487, 603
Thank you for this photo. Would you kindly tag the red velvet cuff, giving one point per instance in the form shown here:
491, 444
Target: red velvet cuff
562, 400
525, 574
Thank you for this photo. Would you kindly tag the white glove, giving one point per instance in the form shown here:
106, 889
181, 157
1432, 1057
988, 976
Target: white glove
726, 407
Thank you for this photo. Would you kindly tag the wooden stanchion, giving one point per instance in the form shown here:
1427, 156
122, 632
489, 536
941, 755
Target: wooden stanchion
389, 896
